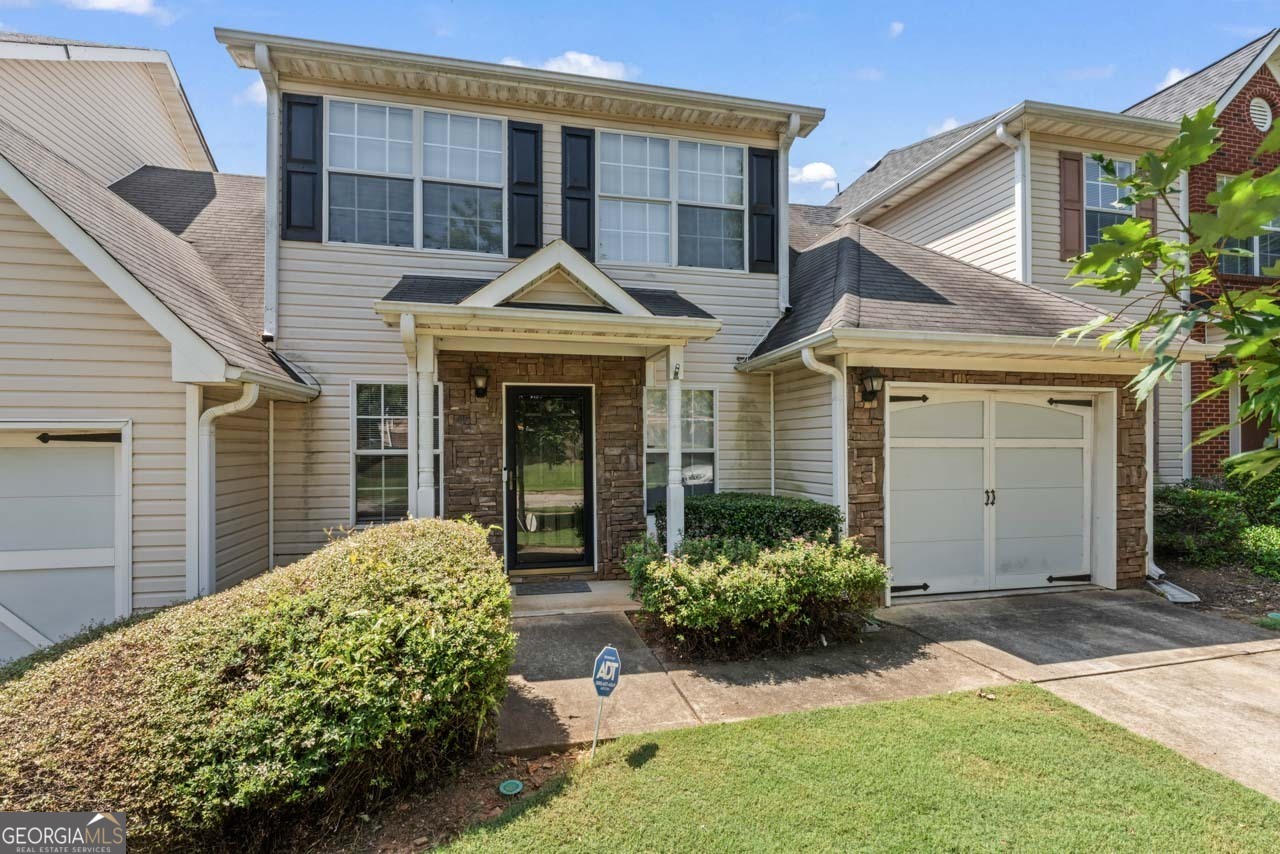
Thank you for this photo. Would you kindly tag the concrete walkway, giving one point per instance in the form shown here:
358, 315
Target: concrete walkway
1204, 686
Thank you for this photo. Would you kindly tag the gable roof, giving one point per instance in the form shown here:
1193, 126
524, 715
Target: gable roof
222, 216
901, 162
453, 290
166, 265
1210, 83
808, 223
856, 277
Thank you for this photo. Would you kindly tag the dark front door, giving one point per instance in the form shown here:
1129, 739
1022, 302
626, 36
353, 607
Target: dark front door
549, 478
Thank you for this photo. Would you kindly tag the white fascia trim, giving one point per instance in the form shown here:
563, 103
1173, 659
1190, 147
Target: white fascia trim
193, 360
453, 319
1245, 76
557, 255
281, 389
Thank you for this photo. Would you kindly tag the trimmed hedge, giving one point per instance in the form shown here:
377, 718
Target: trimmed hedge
299, 696
768, 520
1199, 525
1260, 550
731, 597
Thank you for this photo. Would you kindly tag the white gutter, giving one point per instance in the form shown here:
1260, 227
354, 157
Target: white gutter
785, 138
1021, 147
208, 539
839, 430
271, 269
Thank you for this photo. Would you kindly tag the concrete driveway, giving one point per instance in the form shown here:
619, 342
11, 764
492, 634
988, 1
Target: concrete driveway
1204, 686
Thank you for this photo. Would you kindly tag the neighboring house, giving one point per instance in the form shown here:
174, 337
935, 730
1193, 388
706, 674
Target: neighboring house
556, 304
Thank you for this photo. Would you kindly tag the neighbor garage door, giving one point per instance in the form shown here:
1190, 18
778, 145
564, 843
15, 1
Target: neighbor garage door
58, 524
988, 490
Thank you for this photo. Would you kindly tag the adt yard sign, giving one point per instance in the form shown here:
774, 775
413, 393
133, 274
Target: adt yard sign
607, 670
604, 675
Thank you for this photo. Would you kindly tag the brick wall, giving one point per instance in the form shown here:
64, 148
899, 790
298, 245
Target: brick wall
866, 457
473, 439
1240, 140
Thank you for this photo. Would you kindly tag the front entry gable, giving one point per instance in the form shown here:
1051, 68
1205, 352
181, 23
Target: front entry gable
557, 275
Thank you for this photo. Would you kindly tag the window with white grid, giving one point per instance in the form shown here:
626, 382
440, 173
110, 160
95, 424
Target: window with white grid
1102, 206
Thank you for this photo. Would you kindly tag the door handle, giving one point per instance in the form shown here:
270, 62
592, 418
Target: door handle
993, 498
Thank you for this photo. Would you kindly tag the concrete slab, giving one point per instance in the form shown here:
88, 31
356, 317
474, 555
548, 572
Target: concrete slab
550, 699
1070, 634
1223, 713
887, 665
605, 596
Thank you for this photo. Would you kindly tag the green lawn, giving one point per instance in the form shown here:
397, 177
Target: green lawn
1025, 771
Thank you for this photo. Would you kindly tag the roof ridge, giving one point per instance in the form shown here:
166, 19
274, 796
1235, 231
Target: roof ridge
1265, 37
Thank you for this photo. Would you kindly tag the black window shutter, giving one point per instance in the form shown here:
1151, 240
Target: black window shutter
763, 209
577, 189
301, 168
524, 189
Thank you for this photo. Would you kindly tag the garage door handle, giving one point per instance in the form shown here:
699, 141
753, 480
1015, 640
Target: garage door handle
993, 498
988, 497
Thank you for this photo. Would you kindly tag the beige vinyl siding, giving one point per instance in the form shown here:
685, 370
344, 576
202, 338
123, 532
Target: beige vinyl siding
108, 118
969, 216
71, 350
802, 423
241, 475
557, 290
1048, 271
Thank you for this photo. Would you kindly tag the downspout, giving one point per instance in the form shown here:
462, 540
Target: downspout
271, 484
839, 431
209, 482
1021, 209
271, 266
784, 212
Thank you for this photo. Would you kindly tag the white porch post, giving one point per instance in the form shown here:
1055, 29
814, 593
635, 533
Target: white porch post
675, 481
426, 398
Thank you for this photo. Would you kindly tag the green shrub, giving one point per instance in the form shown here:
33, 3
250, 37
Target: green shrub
734, 598
1260, 550
292, 700
768, 520
1259, 495
1201, 526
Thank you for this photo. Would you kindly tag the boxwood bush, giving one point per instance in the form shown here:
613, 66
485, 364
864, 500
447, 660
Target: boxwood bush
730, 597
1260, 549
298, 696
1259, 495
1198, 524
767, 520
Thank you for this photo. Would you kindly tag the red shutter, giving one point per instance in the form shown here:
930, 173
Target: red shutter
1147, 210
1070, 204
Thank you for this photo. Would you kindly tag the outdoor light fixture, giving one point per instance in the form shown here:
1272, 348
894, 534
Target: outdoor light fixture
480, 381
872, 384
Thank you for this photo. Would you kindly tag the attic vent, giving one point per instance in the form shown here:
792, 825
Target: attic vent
1260, 113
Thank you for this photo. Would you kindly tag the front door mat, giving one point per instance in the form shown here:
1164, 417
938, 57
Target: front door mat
546, 588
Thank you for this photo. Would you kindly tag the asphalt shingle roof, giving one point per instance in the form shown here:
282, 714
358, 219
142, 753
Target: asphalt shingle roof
447, 290
1194, 91
856, 277
165, 264
808, 223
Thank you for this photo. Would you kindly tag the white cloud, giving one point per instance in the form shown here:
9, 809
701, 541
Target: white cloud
1173, 75
896, 28
822, 174
868, 74
949, 123
255, 93
576, 62
1090, 72
146, 8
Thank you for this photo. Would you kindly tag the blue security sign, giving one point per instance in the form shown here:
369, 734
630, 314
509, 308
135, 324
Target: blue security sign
606, 671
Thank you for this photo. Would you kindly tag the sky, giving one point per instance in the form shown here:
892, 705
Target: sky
888, 74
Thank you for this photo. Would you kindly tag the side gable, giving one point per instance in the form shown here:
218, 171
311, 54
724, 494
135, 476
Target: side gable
1220, 81
561, 262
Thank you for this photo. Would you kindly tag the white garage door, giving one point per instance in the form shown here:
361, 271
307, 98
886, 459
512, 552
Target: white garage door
58, 522
988, 490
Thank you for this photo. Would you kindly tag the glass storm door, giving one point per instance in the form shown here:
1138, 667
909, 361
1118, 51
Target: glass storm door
549, 478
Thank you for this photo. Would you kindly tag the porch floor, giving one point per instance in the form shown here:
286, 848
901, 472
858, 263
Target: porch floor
605, 596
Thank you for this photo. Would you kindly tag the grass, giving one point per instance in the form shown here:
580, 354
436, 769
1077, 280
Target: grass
1269, 622
1023, 771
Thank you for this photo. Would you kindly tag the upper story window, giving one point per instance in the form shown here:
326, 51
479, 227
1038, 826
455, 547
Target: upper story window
386, 189
643, 201
1102, 206
1265, 248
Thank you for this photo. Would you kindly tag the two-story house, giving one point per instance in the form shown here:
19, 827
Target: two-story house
553, 303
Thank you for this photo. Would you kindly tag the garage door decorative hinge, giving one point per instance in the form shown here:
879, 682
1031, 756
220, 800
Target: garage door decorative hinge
1057, 401
903, 588
46, 438
906, 398
1084, 577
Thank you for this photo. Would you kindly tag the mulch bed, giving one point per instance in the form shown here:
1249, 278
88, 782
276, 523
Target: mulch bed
418, 821
1229, 591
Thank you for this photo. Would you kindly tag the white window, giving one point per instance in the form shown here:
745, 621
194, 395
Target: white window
697, 440
378, 176
380, 420
1265, 248
1102, 206
638, 214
